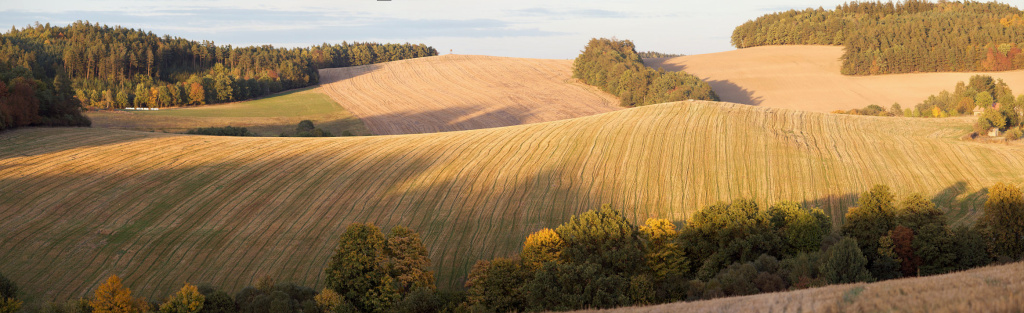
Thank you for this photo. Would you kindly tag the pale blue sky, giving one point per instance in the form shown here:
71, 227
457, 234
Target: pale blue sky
526, 28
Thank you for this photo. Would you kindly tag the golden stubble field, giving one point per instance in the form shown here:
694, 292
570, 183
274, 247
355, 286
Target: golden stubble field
807, 78
997, 288
462, 92
79, 204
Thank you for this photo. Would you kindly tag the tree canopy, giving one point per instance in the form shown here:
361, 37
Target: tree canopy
615, 67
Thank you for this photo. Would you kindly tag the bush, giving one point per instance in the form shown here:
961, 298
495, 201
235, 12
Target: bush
220, 131
304, 126
306, 129
1014, 134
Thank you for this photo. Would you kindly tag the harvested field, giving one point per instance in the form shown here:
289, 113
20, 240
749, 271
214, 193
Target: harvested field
268, 116
79, 204
807, 78
988, 289
462, 92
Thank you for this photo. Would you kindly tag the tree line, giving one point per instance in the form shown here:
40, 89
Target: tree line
655, 55
615, 67
904, 37
999, 108
600, 259
117, 67
979, 92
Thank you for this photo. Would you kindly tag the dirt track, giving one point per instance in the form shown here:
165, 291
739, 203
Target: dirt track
461, 92
807, 78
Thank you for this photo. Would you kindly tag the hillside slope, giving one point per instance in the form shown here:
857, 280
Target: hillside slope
77, 205
988, 289
807, 78
461, 92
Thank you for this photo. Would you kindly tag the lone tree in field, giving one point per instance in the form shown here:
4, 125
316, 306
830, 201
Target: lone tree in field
113, 297
1003, 220
187, 300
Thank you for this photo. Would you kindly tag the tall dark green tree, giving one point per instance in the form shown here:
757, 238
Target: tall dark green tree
872, 219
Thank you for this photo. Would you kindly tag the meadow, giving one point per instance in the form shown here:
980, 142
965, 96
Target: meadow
77, 205
269, 116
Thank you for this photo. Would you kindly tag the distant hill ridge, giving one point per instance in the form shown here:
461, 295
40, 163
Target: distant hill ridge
904, 37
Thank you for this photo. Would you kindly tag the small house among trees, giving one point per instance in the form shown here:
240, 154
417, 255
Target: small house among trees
994, 132
978, 110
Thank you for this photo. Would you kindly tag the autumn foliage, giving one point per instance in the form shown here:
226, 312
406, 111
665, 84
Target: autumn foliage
113, 297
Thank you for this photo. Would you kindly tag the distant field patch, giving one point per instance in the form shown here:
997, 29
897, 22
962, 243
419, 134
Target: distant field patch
302, 102
269, 116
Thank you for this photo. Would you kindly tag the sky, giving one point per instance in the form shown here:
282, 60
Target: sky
524, 28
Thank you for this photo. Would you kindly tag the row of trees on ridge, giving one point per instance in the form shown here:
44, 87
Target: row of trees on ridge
902, 37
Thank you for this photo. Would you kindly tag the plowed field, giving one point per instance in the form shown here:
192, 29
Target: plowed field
462, 92
807, 78
79, 204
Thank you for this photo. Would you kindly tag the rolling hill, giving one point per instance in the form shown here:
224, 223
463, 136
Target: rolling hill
462, 92
988, 289
77, 205
807, 78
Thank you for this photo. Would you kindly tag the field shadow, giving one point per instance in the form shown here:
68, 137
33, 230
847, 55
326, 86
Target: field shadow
731, 92
24, 141
356, 71
660, 63
458, 118
954, 200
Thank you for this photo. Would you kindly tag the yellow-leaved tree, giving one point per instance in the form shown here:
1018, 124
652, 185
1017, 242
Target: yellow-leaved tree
187, 300
665, 256
113, 297
540, 247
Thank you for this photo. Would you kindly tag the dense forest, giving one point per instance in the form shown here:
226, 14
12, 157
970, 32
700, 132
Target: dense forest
904, 37
615, 67
96, 66
601, 259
